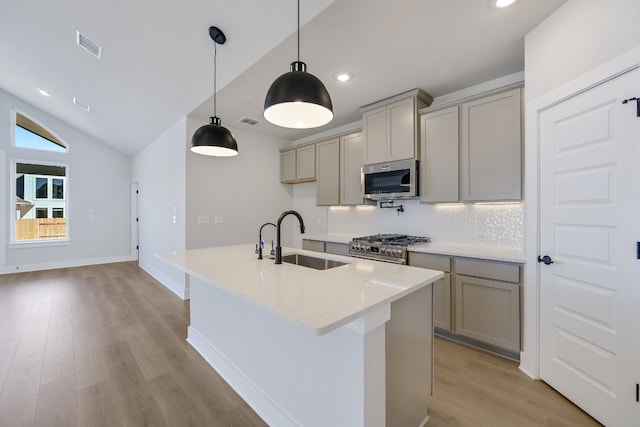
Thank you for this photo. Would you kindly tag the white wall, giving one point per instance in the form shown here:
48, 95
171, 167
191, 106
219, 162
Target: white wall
579, 36
159, 171
243, 191
99, 187
564, 54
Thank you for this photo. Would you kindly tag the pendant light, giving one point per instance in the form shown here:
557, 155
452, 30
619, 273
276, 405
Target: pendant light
214, 139
298, 99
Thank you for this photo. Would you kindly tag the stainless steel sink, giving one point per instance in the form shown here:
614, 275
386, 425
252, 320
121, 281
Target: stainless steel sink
311, 261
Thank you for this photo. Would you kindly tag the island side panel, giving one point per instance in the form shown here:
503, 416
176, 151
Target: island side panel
409, 359
287, 374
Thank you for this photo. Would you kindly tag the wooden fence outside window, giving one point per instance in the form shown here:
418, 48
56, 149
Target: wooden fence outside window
41, 228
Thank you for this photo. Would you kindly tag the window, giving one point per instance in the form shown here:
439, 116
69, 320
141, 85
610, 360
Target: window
29, 134
40, 202
42, 191
57, 188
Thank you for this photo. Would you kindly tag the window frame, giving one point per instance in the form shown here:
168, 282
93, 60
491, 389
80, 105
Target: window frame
13, 243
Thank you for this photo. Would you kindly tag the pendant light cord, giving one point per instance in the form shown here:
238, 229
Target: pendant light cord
298, 30
215, 78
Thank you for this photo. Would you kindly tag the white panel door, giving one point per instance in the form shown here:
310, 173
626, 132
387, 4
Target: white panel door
589, 226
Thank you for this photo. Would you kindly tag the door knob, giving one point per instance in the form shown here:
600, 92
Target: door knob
546, 259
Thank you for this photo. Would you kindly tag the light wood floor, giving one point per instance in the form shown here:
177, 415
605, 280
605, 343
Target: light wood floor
105, 346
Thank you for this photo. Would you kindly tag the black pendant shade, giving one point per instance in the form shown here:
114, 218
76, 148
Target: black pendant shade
298, 99
214, 139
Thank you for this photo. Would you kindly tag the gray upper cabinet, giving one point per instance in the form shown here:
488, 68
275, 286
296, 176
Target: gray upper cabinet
338, 166
306, 163
298, 164
288, 166
390, 127
327, 172
439, 156
351, 158
491, 142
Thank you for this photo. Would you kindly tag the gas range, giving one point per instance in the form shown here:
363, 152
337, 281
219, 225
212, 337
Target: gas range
385, 247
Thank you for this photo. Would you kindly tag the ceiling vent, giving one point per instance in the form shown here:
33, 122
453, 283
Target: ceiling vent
83, 105
249, 121
92, 47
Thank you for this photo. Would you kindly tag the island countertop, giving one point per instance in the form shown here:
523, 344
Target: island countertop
321, 300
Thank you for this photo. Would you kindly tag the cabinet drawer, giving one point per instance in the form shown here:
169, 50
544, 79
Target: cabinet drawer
431, 261
336, 248
504, 271
313, 245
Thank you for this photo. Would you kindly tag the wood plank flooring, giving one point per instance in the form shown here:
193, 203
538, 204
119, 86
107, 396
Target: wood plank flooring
105, 346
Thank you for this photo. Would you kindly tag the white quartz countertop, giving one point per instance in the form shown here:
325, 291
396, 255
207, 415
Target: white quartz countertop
321, 300
471, 251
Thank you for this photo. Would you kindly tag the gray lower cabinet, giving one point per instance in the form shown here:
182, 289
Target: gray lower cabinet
313, 245
477, 299
441, 288
336, 248
327, 247
487, 302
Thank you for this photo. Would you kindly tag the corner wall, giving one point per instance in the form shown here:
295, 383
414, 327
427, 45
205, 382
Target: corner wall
159, 171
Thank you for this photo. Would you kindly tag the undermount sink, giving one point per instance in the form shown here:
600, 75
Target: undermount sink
311, 261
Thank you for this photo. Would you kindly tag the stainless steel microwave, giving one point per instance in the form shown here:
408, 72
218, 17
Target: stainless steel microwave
390, 180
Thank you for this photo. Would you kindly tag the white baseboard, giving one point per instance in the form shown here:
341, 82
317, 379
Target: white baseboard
65, 264
268, 410
175, 287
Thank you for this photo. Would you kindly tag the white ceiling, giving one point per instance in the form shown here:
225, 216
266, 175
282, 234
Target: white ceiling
157, 62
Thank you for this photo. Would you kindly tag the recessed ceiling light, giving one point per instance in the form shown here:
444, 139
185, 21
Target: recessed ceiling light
502, 3
343, 77
43, 92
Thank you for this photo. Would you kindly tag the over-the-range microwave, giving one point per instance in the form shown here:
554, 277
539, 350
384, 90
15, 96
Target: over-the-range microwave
390, 180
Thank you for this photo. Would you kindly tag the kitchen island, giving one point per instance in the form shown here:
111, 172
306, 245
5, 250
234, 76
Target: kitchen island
346, 346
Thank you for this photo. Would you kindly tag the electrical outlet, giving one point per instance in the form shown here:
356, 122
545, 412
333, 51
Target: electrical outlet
204, 219
218, 219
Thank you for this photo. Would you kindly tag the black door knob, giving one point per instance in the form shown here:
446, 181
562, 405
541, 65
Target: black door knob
546, 259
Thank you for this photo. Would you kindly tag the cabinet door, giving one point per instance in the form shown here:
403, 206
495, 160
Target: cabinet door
327, 173
488, 311
375, 135
401, 130
442, 303
288, 166
351, 157
305, 163
491, 148
439, 156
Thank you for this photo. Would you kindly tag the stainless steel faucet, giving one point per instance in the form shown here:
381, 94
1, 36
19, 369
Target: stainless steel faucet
259, 248
278, 246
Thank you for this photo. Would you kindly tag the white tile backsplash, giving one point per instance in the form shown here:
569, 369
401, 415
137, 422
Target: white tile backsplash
495, 225
482, 224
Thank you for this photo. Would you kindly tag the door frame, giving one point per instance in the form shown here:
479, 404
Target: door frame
530, 356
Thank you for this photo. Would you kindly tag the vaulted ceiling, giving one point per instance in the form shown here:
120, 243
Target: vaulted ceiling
157, 57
